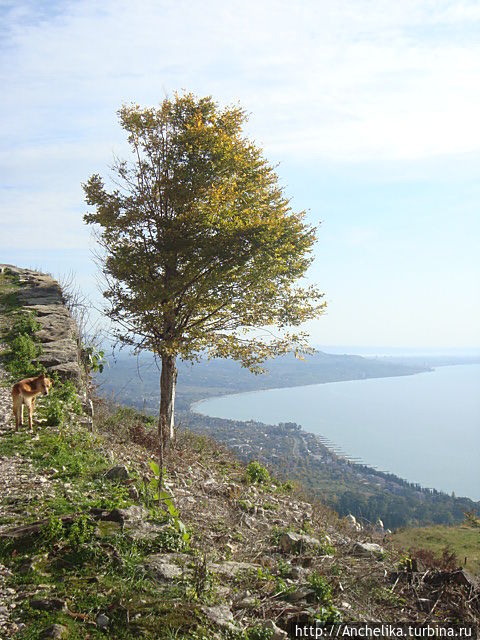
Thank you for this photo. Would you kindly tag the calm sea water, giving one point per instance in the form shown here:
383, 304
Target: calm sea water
424, 428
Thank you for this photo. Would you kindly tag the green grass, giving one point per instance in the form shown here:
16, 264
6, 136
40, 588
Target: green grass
463, 540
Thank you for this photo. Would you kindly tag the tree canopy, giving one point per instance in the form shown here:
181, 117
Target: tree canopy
202, 251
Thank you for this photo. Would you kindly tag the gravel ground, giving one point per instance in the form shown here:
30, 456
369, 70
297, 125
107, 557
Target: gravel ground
20, 486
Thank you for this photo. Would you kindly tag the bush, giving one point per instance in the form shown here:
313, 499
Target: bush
23, 352
257, 473
61, 399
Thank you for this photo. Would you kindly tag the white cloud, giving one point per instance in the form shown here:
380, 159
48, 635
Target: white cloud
342, 80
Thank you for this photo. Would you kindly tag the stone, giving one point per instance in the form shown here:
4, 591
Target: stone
276, 632
248, 602
302, 593
68, 371
162, 567
296, 542
230, 568
45, 604
118, 473
368, 550
352, 523
59, 352
55, 631
102, 621
221, 616
133, 493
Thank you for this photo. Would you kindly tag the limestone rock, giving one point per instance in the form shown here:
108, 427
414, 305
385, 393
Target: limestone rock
368, 550
221, 616
278, 634
167, 566
296, 542
230, 568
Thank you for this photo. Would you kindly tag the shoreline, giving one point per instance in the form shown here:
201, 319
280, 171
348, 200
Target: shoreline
334, 448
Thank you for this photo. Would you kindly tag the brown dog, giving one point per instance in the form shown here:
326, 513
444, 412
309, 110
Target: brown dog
25, 393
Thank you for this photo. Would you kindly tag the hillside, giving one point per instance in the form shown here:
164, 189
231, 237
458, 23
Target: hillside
231, 552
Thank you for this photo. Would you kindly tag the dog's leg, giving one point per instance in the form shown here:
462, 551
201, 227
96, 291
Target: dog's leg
30, 414
16, 412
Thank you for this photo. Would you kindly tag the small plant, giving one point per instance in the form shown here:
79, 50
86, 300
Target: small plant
471, 519
275, 535
61, 400
203, 583
321, 588
257, 473
284, 487
283, 568
246, 506
259, 633
328, 615
162, 497
53, 532
80, 532
93, 359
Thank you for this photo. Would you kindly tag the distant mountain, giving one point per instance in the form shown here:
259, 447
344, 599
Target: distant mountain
136, 380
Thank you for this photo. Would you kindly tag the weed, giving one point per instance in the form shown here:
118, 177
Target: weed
257, 473
259, 633
321, 588
328, 615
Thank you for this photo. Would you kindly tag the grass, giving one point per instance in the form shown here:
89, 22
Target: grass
463, 540
92, 573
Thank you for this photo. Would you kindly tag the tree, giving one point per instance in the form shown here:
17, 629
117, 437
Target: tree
201, 249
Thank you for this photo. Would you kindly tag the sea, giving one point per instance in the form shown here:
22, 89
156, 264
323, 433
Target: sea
424, 428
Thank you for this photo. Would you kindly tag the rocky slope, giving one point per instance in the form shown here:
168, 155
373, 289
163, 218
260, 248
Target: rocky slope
86, 552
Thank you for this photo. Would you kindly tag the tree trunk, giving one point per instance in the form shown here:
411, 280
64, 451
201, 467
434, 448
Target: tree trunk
168, 379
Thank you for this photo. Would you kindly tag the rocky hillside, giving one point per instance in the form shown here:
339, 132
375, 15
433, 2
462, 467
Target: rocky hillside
87, 549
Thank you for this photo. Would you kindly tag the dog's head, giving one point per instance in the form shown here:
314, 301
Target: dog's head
45, 384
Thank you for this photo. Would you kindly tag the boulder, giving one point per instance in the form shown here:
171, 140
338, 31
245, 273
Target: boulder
167, 566
221, 616
58, 352
102, 621
297, 542
368, 550
48, 604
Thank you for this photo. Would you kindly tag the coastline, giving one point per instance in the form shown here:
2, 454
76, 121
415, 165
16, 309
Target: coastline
343, 450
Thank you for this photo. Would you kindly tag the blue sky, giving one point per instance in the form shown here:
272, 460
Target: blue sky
371, 107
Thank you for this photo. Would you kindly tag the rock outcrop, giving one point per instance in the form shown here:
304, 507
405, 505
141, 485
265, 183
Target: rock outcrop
42, 295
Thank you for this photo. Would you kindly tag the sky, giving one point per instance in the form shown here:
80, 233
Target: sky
370, 107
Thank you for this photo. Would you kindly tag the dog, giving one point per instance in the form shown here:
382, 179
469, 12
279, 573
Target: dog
25, 393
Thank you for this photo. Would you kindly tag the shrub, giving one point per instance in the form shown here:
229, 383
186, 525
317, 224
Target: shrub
321, 588
257, 473
23, 352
